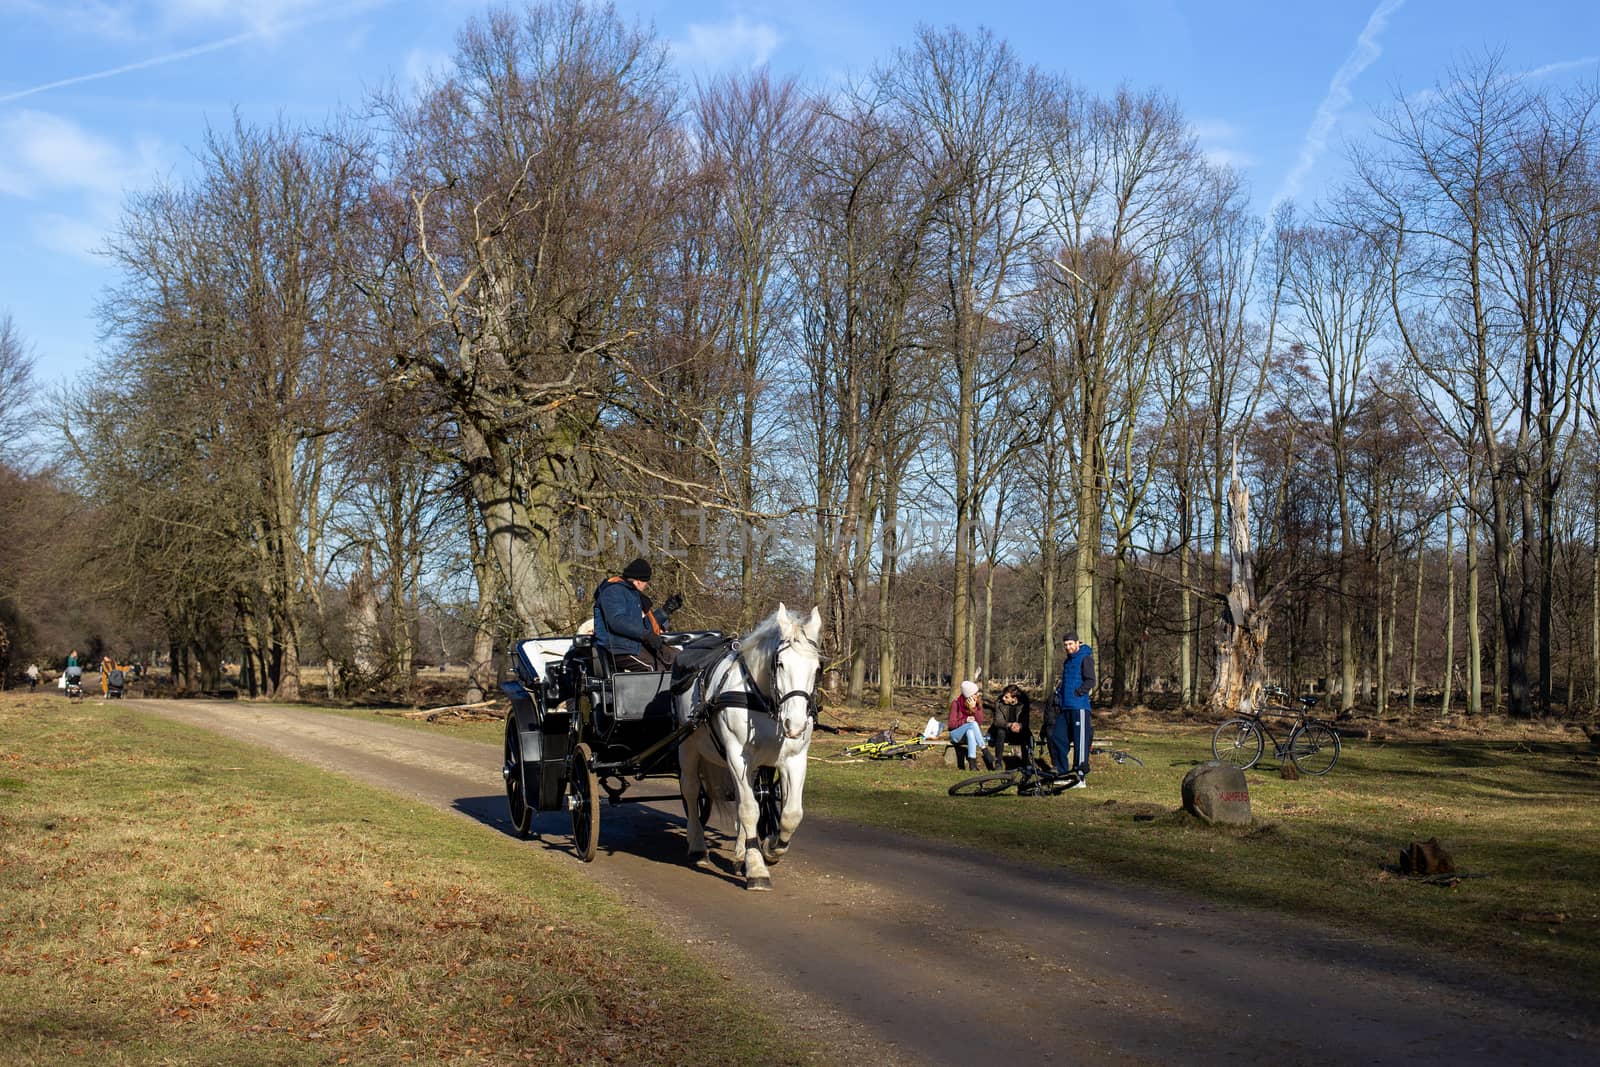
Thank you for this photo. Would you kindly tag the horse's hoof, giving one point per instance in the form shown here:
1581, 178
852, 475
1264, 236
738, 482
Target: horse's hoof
698, 859
763, 883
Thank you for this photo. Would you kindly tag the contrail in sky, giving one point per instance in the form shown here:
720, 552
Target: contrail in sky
170, 57
1362, 56
199, 49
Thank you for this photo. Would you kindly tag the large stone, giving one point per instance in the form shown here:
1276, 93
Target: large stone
1426, 857
1217, 793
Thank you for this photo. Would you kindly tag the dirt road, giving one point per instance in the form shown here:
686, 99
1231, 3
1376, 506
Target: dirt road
942, 955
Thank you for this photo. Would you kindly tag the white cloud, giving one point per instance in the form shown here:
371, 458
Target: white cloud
94, 18
729, 44
424, 64
84, 238
48, 152
82, 176
1217, 141
260, 16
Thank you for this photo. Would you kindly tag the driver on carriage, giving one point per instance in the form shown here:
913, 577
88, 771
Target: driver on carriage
625, 627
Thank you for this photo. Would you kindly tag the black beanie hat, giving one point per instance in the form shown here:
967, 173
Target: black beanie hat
638, 570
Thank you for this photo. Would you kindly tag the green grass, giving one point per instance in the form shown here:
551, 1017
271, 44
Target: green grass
1521, 817
169, 896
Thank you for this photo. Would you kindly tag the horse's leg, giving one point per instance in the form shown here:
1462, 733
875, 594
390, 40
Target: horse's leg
689, 787
793, 775
746, 847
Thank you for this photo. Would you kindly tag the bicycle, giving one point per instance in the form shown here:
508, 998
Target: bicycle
882, 745
1029, 780
1118, 756
1312, 744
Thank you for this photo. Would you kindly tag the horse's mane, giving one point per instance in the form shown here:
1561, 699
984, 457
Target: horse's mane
760, 645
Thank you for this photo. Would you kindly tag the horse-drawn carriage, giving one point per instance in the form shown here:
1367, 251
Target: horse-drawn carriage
732, 722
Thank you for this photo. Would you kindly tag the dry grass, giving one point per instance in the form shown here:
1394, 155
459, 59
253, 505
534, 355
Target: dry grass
1515, 803
167, 896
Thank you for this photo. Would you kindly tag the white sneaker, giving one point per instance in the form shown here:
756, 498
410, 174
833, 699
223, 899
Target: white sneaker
1079, 784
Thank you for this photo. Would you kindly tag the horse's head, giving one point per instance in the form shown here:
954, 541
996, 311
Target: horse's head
796, 663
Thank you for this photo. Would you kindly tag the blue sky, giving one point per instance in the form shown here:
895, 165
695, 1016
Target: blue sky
100, 97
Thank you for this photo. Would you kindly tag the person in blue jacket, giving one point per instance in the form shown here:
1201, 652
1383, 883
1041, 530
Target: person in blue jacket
1073, 733
622, 625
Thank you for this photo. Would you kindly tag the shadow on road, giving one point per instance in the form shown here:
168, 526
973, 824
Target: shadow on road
644, 830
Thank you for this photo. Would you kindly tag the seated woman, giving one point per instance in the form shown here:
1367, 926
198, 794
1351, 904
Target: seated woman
966, 728
1013, 713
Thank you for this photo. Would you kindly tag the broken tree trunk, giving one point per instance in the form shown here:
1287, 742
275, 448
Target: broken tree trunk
1241, 632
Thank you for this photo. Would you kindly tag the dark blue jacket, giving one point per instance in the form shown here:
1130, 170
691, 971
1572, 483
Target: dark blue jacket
619, 619
1077, 679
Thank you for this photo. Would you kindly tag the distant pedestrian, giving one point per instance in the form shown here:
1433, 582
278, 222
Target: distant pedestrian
33, 676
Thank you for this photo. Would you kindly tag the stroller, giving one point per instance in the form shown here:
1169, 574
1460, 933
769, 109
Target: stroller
74, 686
115, 681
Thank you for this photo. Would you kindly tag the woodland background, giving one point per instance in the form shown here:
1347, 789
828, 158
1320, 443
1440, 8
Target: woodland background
958, 351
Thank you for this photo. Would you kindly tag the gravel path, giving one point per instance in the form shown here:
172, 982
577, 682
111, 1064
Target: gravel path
891, 948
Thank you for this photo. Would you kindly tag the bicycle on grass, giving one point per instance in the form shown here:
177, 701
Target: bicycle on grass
883, 745
1032, 778
1029, 780
1312, 745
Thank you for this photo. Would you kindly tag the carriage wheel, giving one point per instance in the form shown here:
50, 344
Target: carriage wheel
515, 771
585, 804
769, 801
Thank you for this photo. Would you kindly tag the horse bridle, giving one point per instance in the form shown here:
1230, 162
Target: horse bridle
774, 707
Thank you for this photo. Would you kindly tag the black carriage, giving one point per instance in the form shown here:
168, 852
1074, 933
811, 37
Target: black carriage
578, 727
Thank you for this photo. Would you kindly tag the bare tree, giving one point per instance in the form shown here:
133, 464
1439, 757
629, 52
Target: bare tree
1485, 202
1120, 176
1336, 290
232, 323
538, 182
975, 110
16, 389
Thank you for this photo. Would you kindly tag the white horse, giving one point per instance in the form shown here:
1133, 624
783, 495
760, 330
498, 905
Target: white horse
760, 707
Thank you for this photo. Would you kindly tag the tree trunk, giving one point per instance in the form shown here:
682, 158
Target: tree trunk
1048, 561
1594, 612
1448, 685
1474, 622
1242, 627
887, 665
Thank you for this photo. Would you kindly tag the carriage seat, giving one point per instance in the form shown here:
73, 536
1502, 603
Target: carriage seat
638, 695
601, 665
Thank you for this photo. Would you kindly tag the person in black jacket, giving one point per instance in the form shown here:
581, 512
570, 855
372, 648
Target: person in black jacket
1013, 714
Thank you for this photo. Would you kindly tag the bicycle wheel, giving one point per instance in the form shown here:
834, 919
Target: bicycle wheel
1239, 742
986, 785
1314, 748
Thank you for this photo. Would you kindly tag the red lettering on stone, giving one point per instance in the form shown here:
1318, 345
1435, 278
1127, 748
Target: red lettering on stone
1230, 797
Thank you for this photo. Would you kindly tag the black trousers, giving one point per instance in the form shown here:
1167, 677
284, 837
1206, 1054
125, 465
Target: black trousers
1000, 737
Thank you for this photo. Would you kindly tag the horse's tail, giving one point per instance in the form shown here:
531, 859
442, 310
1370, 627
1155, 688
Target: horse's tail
716, 782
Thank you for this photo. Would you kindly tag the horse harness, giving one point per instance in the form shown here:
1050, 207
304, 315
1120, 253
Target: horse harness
750, 696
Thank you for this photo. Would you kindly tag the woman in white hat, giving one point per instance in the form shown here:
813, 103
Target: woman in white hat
966, 727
